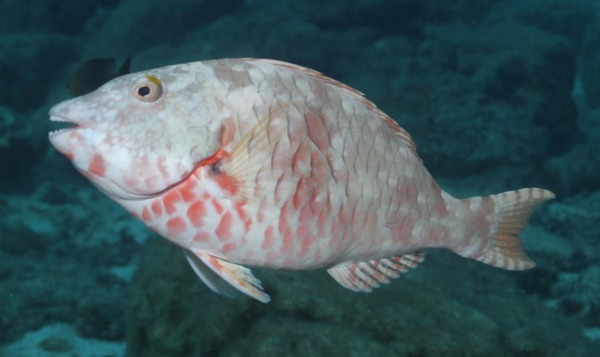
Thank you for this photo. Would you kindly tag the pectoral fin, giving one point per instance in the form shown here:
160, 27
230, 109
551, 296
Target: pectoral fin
224, 277
261, 154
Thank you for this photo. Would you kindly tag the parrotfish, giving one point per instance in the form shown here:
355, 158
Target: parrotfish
262, 163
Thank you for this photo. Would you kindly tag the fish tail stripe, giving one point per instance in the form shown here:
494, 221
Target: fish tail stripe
513, 210
365, 276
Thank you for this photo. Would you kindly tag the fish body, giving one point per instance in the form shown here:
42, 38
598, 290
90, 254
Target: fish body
265, 163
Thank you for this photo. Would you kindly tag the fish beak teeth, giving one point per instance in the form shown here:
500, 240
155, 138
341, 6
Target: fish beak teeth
65, 124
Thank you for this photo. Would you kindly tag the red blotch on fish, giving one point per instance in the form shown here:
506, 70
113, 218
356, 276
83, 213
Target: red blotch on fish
157, 208
187, 189
288, 242
170, 200
176, 226
269, 238
146, 216
305, 246
218, 207
223, 230
196, 213
97, 166
228, 247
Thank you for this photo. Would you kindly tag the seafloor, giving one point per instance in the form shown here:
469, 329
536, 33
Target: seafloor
498, 95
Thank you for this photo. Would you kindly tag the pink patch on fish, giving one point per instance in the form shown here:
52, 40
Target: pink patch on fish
269, 238
223, 230
157, 208
176, 226
97, 166
170, 200
196, 213
202, 237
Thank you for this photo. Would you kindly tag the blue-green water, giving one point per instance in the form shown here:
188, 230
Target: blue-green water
497, 95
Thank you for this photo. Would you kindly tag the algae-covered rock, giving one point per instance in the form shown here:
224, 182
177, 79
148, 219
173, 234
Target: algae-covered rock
58, 259
448, 306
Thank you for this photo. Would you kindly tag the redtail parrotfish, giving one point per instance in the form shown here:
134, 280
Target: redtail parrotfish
261, 163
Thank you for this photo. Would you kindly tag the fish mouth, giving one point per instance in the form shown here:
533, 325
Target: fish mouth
61, 120
63, 125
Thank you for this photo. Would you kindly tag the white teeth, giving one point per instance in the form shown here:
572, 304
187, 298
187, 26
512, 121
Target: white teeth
54, 132
58, 119
70, 125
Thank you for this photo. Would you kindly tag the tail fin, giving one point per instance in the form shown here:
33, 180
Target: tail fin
513, 210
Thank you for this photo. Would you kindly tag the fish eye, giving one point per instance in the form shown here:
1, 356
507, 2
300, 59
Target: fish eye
149, 89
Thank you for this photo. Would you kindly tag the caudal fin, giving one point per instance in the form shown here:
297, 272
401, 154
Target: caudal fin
513, 210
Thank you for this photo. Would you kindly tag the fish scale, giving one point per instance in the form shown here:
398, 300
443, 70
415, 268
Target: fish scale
265, 163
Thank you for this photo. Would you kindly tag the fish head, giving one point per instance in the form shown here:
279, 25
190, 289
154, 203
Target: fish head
140, 134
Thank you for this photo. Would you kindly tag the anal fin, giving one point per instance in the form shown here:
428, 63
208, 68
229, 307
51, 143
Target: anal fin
224, 277
365, 276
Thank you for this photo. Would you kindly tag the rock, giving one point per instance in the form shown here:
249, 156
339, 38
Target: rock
424, 312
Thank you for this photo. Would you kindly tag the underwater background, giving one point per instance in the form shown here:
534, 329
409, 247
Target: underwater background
497, 95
